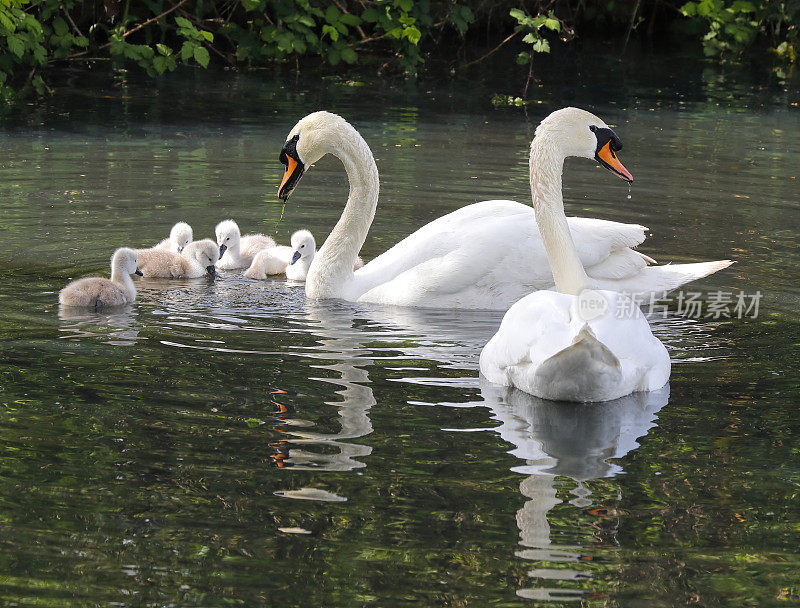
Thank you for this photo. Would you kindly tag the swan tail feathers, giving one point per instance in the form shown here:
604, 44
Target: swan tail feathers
583, 371
658, 280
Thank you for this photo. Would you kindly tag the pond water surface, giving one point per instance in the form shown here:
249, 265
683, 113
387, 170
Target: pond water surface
230, 442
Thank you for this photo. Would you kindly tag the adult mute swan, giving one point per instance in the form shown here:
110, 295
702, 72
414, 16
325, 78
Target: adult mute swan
577, 344
180, 236
483, 256
96, 292
240, 249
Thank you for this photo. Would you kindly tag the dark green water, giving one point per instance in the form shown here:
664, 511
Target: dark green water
232, 443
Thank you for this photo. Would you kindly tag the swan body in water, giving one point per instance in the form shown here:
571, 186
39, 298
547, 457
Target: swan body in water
486, 255
96, 292
294, 260
197, 259
235, 250
576, 344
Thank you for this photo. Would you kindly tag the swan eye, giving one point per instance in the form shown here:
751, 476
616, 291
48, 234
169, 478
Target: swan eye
593, 129
301, 246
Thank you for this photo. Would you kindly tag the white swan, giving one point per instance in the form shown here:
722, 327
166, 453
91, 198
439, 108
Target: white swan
484, 256
96, 292
196, 259
304, 249
578, 344
235, 250
180, 236
294, 261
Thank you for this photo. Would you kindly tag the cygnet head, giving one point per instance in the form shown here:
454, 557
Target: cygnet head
576, 132
124, 260
312, 137
228, 235
205, 253
303, 244
181, 234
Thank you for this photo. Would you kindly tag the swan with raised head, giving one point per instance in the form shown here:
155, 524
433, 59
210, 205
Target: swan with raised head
577, 344
180, 236
235, 250
197, 259
96, 292
293, 261
483, 256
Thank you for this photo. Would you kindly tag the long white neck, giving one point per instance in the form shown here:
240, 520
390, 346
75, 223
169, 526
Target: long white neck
123, 278
332, 268
548, 206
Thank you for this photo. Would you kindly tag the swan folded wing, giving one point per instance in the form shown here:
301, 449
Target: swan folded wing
251, 244
655, 281
467, 258
158, 263
597, 239
620, 264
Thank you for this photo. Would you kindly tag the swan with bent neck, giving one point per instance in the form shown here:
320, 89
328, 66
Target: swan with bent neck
577, 344
483, 256
97, 292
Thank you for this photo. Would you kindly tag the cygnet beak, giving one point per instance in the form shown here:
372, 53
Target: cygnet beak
222, 249
295, 257
212, 270
139, 272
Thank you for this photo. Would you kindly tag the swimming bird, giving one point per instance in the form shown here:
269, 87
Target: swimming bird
197, 259
293, 260
576, 344
483, 256
180, 236
97, 292
235, 250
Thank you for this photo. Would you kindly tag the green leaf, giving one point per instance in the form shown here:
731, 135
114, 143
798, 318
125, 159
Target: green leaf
16, 45
523, 58
332, 14
207, 35
183, 22
350, 20
334, 57
552, 24
201, 55
404, 5
160, 64
333, 34
60, 26
531, 38
163, 49
370, 15
412, 34
349, 55
187, 50
517, 14
689, 9
541, 46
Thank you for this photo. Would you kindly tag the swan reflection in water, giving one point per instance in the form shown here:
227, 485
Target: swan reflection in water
117, 324
338, 339
573, 440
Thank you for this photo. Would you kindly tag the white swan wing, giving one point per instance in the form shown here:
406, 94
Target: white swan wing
467, 257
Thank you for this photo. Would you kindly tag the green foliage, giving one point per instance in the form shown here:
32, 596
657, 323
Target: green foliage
159, 36
735, 27
533, 27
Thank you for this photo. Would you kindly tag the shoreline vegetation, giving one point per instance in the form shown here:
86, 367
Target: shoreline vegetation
390, 37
